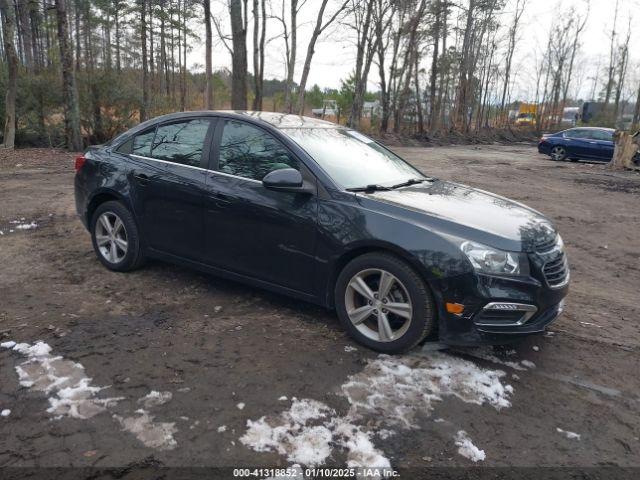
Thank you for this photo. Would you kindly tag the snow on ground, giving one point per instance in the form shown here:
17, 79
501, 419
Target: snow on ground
71, 394
158, 435
395, 389
155, 398
308, 432
69, 390
467, 449
5, 413
391, 391
240, 405
26, 226
569, 435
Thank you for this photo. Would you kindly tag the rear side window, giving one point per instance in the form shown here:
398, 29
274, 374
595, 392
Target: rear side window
249, 152
602, 135
138, 145
181, 142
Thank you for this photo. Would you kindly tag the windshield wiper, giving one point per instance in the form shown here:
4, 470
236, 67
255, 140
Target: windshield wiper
412, 181
369, 188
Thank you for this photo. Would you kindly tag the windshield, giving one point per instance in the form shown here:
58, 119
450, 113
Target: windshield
351, 159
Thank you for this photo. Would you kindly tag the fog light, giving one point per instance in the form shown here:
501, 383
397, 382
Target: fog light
456, 308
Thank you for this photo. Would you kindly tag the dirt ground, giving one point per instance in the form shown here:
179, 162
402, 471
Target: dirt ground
228, 354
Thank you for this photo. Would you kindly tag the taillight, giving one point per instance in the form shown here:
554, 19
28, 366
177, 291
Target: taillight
80, 162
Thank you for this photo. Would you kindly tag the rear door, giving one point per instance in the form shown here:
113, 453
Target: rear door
260, 233
604, 142
168, 178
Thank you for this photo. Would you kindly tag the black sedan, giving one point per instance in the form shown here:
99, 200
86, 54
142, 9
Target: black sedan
324, 214
587, 143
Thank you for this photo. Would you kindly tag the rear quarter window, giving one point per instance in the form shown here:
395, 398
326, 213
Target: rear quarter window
138, 145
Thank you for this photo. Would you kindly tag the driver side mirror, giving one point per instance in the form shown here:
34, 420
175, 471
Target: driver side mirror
286, 180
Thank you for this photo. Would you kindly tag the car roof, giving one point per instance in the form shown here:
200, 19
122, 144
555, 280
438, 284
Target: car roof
594, 128
274, 119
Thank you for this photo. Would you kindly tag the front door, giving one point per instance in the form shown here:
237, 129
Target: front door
253, 231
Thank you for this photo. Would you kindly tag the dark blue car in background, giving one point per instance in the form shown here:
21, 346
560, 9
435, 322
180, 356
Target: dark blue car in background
587, 143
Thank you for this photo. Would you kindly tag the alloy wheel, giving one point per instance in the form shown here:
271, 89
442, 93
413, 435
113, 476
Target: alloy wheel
111, 237
558, 153
378, 305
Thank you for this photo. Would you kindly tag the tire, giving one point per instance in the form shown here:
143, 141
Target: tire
363, 316
124, 237
558, 153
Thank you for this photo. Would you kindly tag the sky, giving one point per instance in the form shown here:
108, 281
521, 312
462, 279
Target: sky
335, 53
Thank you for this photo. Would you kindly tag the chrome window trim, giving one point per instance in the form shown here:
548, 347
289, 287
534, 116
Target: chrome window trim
142, 157
217, 172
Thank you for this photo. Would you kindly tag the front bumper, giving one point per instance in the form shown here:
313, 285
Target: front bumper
479, 325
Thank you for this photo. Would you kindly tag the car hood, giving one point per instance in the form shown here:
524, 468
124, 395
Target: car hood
471, 214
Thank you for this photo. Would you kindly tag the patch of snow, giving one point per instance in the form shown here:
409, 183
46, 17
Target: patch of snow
385, 433
569, 435
536, 348
487, 354
158, 435
26, 226
8, 344
5, 413
589, 324
395, 389
69, 390
307, 434
240, 405
528, 364
283, 398
222, 428
349, 349
467, 449
155, 398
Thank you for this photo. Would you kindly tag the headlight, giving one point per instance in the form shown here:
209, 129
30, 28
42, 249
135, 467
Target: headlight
495, 262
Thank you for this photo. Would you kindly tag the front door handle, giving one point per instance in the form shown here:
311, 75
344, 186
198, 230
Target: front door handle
142, 179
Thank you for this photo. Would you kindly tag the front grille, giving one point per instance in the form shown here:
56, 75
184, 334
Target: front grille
556, 271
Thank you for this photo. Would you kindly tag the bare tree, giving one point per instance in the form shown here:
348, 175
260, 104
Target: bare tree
513, 37
259, 35
238, 14
320, 27
144, 108
70, 91
8, 29
208, 89
612, 54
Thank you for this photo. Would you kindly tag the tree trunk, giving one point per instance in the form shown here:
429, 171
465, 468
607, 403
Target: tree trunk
239, 58
117, 22
418, 97
208, 89
626, 146
257, 84
70, 92
145, 68
636, 111
291, 64
8, 29
433, 111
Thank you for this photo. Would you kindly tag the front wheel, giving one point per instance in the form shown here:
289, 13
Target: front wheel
558, 153
115, 237
383, 303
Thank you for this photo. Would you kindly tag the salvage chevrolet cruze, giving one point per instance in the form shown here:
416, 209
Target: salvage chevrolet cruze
320, 212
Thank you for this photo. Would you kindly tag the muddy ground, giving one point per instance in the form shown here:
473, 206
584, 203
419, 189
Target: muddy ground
229, 354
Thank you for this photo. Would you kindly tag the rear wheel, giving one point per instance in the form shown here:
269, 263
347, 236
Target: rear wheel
383, 303
115, 237
558, 153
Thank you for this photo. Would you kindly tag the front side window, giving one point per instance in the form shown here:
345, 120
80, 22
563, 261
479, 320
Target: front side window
351, 159
249, 152
577, 133
181, 142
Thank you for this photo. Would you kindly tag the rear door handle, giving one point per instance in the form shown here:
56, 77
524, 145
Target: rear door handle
141, 178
